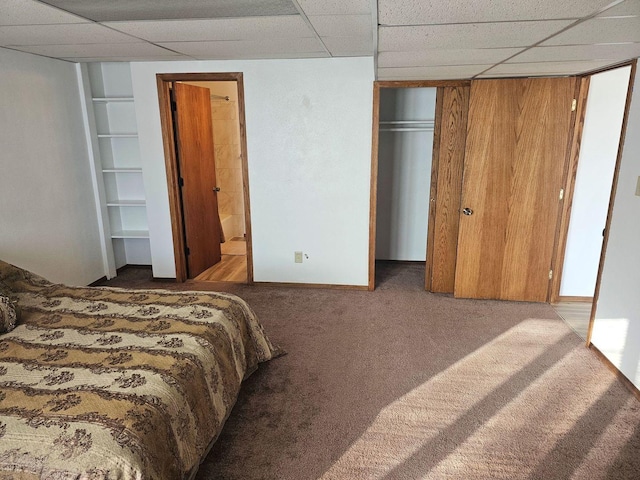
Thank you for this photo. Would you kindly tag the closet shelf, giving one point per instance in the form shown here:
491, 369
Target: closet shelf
121, 170
112, 99
130, 234
126, 203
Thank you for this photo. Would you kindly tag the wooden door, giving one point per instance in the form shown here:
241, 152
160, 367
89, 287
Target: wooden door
452, 106
517, 138
196, 164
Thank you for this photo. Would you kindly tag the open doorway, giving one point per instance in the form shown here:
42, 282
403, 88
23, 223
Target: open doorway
204, 139
589, 185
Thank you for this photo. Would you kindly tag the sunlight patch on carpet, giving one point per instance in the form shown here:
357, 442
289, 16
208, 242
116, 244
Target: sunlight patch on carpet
455, 425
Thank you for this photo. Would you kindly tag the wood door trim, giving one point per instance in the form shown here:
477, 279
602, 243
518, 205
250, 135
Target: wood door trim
616, 371
171, 167
373, 192
200, 77
245, 177
571, 169
163, 81
614, 188
433, 194
626, 63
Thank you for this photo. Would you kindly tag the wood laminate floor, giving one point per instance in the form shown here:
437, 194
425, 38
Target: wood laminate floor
234, 247
232, 268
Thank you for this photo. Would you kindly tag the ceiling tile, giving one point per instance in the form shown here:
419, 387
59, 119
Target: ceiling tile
545, 68
615, 52
427, 12
96, 50
479, 35
102, 11
255, 28
246, 48
630, 7
335, 7
433, 57
29, 12
79, 33
342, 25
349, 46
600, 30
452, 72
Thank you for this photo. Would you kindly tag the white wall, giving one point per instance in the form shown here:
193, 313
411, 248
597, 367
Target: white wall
598, 153
48, 220
616, 330
404, 174
309, 144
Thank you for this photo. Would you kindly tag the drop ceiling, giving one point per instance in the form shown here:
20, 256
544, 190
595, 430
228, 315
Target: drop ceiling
410, 39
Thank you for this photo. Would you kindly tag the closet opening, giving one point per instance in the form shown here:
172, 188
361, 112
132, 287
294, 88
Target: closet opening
406, 128
204, 138
417, 152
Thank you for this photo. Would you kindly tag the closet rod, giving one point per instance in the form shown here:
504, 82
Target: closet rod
408, 129
221, 97
408, 122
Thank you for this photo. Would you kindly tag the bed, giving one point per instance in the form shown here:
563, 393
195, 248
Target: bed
107, 383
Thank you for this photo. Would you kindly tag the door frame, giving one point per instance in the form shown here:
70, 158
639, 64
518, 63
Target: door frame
582, 93
164, 81
612, 198
375, 137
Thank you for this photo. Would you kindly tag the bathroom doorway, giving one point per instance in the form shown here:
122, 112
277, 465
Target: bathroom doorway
218, 216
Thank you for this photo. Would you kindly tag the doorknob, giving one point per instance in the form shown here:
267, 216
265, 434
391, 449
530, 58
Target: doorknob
216, 189
467, 211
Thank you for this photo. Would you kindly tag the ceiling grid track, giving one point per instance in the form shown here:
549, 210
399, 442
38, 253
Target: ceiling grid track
577, 22
304, 17
408, 39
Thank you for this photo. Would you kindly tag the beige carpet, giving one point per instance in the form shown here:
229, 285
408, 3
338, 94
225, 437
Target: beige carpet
402, 384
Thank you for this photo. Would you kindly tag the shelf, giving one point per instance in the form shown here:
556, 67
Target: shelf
130, 234
117, 164
117, 135
112, 99
126, 203
121, 170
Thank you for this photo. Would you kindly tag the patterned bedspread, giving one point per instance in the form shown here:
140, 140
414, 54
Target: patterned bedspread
103, 383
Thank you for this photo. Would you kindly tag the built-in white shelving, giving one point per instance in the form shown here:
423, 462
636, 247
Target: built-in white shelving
119, 174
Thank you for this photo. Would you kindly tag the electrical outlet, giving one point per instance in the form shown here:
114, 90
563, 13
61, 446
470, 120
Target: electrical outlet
297, 257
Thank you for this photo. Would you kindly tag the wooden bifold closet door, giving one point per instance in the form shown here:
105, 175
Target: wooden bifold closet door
517, 136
